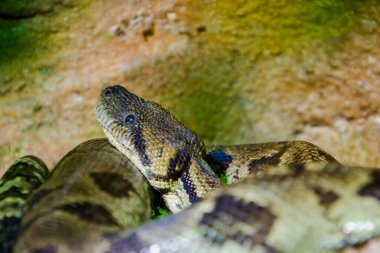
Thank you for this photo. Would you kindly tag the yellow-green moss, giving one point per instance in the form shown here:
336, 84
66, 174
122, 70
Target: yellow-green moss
23, 51
17, 42
257, 27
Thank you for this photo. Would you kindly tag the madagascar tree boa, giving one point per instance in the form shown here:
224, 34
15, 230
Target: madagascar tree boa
283, 197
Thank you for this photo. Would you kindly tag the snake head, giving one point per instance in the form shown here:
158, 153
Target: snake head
151, 137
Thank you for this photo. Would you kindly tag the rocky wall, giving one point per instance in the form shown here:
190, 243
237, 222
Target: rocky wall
232, 71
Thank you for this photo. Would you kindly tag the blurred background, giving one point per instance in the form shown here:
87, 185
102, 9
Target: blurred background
234, 72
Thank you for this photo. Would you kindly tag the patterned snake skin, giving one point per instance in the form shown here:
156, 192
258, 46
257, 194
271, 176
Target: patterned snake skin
284, 197
24, 176
93, 192
323, 210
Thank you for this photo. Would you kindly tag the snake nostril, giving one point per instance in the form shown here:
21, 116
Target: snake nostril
107, 91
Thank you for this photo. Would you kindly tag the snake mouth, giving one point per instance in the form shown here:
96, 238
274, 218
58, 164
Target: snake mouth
116, 134
123, 143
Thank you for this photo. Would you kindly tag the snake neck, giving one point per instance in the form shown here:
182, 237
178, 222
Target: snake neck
182, 179
194, 183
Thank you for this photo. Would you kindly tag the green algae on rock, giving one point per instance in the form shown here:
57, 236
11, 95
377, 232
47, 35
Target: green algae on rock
257, 27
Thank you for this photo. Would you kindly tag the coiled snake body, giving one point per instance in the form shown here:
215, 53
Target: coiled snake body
297, 198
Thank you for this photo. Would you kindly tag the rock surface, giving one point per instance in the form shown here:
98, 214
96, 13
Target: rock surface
233, 72
16, 9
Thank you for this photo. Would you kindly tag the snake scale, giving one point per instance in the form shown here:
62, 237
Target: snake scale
271, 197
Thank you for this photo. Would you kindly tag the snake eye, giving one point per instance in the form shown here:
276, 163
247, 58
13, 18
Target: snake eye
107, 92
130, 119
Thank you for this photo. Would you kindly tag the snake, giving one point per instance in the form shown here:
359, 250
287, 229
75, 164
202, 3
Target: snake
88, 195
288, 196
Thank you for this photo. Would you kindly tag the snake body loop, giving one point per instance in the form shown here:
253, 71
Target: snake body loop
92, 193
24, 176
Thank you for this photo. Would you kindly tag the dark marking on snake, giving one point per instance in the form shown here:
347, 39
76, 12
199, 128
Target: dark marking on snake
372, 189
15, 191
131, 243
90, 212
22, 169
220, 156
39, 162
267, 160
46, 249
9, 230
139, 143
326, 197
176, 164
189, 186
297, 168
246, 213
114, 184
219, 160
